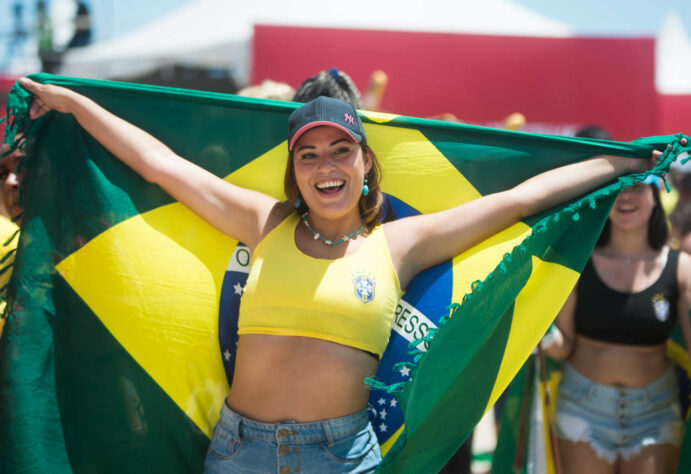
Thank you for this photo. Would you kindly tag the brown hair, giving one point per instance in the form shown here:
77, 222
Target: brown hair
371, 206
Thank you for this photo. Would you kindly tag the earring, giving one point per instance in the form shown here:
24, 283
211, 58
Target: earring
297, 203
365, 188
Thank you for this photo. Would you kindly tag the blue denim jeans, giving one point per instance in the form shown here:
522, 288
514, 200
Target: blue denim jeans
346, 444
618, 422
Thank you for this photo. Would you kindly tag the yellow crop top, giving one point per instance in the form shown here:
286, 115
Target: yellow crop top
349, 300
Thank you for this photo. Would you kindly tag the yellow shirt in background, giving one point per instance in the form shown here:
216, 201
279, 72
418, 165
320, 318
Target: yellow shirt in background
668, 199
8, 230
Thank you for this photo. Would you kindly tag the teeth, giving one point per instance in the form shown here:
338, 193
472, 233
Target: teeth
330, 184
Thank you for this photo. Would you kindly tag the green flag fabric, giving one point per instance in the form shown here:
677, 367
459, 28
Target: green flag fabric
112, 359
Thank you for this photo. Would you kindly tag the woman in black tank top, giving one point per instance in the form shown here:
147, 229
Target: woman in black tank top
618, 407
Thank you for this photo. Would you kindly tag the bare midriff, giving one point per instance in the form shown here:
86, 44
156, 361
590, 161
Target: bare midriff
280, 378
619, 365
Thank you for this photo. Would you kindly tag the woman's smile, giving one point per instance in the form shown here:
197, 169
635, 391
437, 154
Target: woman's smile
330, 187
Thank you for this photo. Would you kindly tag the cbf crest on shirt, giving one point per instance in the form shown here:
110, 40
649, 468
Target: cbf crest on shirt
661, 307
364, 286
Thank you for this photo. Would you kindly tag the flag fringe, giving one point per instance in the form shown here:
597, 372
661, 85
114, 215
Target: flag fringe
662, 167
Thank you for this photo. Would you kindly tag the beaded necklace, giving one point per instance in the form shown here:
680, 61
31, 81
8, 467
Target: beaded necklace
345, 238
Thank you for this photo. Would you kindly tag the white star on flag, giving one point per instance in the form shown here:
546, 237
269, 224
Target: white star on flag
226, 355
381, 401
238, 289
383, 413
382, 427
393, 402
405, 372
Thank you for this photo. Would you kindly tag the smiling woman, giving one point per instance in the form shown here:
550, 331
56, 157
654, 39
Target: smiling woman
325, 278
618, 406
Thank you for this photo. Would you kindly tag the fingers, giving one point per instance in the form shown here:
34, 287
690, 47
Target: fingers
38, 108
29, 85
38, 104
26, 82
683, 141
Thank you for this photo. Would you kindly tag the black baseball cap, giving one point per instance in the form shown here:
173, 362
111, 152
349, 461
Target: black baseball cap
325, 111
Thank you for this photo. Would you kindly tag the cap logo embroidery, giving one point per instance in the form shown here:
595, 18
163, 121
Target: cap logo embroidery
349, 118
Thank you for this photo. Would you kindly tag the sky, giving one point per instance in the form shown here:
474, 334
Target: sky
589, 17
586, 17
612, 17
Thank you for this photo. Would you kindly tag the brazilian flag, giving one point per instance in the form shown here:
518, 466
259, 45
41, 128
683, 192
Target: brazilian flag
112, 358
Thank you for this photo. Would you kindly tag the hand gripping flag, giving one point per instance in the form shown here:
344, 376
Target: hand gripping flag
113, 352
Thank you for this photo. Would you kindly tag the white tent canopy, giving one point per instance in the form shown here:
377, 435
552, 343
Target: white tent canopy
673, 58
218, 32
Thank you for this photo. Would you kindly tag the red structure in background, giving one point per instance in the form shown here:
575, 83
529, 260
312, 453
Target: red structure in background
673, 114
6, 83
561, 83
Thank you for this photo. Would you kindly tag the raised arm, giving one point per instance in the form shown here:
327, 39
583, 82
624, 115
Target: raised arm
238, 212
419, 242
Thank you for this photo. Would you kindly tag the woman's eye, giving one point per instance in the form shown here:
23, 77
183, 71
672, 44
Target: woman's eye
341, 150
307, 156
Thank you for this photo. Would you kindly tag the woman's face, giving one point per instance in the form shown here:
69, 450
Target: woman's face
330, 170
633, 207
11, 179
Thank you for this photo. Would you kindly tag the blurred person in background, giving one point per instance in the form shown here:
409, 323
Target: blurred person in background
19, 33
330, 83
44, 34
375, 90
10, 180
339, 85
680, 179
268, 89
593, 131
618, 409
82, 26
680, 221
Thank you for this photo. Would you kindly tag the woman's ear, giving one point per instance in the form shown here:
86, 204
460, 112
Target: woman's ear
367, 156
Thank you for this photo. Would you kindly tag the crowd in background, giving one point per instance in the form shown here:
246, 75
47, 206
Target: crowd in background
39, 26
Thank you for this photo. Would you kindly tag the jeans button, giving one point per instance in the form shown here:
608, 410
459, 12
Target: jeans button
283, 434
283, 450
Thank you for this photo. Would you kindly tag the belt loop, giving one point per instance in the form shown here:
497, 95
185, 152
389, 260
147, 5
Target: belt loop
329, 435
233, 419
646, 396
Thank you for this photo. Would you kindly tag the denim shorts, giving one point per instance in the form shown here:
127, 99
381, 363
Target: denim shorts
618, 422
346, 444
